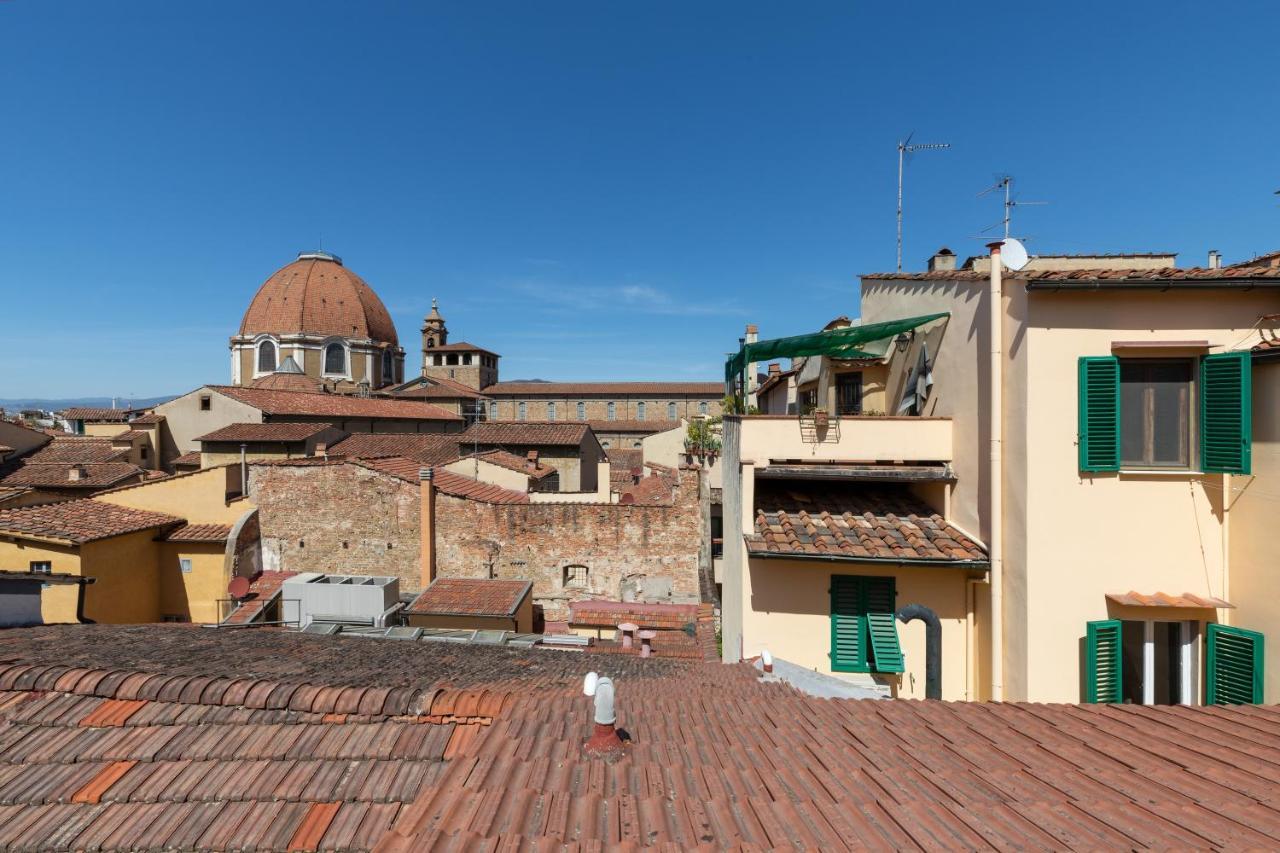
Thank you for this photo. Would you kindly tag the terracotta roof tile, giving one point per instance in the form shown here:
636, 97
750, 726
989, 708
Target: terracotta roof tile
272, 431
80, 521
89, 413
513, 462
463, 487
287, 382
57, 475
284, 403
462, 346
633, 426
147, 419
1240, 275
74, 448
621, 389
545, 433
426, 447
471, 597
199, 533
318, 296
853, 521
186, 459
1164, 599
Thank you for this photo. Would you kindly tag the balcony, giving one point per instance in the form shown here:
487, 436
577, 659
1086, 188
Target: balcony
844, 438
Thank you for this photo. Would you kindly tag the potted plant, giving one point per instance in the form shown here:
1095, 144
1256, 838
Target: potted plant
820, 417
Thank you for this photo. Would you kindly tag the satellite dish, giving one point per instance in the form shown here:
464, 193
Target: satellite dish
1013, 253
238, 588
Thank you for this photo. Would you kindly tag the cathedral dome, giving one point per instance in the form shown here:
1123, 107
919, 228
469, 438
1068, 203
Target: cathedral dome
317, 295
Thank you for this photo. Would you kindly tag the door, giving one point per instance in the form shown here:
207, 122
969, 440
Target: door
849, 394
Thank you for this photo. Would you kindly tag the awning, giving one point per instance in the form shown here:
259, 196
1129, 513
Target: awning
1164, 599
840, 343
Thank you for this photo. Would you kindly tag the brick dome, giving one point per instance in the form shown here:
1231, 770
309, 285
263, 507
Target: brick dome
317, 295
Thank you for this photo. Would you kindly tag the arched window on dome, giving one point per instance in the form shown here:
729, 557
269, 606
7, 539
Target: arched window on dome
388, 368
335, 360
266, 357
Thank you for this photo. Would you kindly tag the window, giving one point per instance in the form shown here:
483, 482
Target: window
849, 394
1141, 662
551, 411
671, 411
451, 358
466, 359
266, 357
437, 360
637, 445
520, 411
612, 412
1156, 413
142, 452
864, 637
493, 411
184, 563
388, 368
582, 411
575, 577
702, 407
808, 401
335, 359
41, 567
639, 411
604, 445
206, 403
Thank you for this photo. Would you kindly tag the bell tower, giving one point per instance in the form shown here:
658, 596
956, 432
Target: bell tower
434, 334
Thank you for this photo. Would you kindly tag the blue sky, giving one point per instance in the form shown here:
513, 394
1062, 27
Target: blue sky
594, 190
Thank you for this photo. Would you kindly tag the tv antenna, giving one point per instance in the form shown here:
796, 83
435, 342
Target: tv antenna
1005, 182
906, 147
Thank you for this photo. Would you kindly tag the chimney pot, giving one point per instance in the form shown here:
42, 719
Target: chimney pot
1215, 259
942, 260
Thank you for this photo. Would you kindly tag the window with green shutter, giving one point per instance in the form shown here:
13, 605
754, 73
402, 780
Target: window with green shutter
1226, 412
1234, 667
1099, 420
864, 636
1104, 673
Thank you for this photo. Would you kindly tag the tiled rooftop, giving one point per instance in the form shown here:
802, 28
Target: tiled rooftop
148, 419
622, 389
80, 521
408, 470
513, 462
854, 521
285, 403
274, 431
545, 433
427, 448
199, 533
1172, 275
464, 487
471, 597
152, 737
319, 297
56, 475
648, 427
462, 346
90, 413
192, 458
75, 448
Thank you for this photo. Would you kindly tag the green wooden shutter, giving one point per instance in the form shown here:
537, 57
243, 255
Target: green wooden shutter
1104, 680
848, 650
886, 653
1099, 413
1234, 666
1226, 413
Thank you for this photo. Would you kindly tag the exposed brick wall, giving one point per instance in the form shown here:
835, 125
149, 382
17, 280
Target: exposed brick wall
597, 408
307, 513
630, 552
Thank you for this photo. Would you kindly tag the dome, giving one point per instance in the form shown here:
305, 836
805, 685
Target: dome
317, 295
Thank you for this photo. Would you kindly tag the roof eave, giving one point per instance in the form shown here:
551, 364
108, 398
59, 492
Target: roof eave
979, 565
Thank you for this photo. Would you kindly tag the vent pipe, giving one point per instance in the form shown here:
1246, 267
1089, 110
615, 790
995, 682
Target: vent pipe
1215, 259
604, 738
995, 469
932, 646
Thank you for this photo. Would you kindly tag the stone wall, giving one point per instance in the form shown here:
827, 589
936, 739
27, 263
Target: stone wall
629, 553
597, 408
338, 519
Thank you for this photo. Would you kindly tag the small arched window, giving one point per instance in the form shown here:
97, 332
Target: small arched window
335, 359
266, 357
575, 577
388, 368
671, 411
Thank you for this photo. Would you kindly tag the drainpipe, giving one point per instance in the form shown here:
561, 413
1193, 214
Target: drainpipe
995, 510
932, 646
244, 473
427, 526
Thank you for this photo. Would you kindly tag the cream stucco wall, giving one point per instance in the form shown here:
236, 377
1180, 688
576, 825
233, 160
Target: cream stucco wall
185, 420
487, 472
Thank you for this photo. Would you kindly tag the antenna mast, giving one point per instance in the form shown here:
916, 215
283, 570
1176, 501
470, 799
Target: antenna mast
1005, 182
904, 148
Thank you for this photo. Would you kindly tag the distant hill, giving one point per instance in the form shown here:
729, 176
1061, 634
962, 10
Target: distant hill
13, 404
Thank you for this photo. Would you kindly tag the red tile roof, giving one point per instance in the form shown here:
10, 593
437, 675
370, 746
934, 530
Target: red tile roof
285, 403
80, 521
1164, 599
621, 389
462, 346
513, 462
439, 388
148, 418
75, 448
648, 427
199, 533
281, 381
192, 458
97, 475
273, 431
856, 522
129, 436
544, 433
263, 590
89, 413
464, 487
246, 739
318, 296
1238, 275
429, 448
408, 470
471, 597
654, 490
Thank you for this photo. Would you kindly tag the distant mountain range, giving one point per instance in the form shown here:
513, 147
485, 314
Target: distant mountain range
14, 404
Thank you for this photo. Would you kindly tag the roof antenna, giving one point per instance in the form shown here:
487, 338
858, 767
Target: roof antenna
1005, 182
904, 148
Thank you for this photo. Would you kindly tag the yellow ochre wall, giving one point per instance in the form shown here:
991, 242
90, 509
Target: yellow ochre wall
195, 595
199, 497
127, 589
58, 601
789, 613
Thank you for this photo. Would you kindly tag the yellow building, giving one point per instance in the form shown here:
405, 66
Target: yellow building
146, 562
1112, 401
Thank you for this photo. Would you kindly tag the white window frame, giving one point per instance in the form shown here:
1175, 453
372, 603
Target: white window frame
346, 358
582, 411
257, 345
551, 411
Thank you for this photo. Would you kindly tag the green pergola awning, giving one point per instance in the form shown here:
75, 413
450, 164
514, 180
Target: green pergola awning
841, 343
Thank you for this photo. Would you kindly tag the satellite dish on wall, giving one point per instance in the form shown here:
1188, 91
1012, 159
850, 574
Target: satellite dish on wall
1013, 253
238, 588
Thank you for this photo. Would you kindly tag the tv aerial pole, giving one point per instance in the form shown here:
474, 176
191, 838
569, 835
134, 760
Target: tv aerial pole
1005, 182
905, 147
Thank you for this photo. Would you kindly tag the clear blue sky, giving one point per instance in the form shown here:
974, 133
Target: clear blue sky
594, 190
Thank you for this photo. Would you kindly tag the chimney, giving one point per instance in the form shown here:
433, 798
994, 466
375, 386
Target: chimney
752, 336
1215, 259
604, 737
774, 369
531, 460
322, 450
77, 472
944, 259
427, 526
